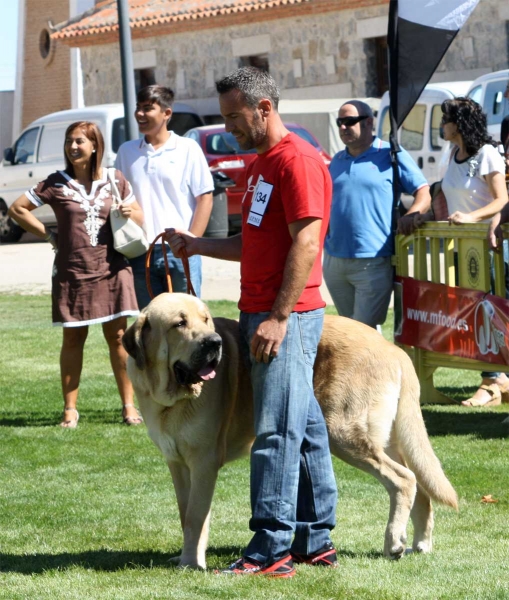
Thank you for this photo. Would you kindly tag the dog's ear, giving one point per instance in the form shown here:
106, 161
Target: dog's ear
132, 340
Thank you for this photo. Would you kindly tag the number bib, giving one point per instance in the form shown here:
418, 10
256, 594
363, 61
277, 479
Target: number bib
261, 197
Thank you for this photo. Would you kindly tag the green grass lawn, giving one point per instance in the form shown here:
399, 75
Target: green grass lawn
91, 513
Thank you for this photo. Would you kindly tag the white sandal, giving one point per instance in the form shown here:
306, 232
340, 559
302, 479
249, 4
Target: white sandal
70, 423
138, 420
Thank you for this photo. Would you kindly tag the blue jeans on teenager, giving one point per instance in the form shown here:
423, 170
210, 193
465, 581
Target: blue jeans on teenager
293, 489
158, 274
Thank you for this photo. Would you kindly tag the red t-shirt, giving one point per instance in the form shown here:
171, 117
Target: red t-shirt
292, 182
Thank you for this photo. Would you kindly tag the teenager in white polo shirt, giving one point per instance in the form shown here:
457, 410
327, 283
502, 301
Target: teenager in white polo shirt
173, 185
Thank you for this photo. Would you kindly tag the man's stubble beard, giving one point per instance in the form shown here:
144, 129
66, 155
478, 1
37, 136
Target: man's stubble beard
256, 135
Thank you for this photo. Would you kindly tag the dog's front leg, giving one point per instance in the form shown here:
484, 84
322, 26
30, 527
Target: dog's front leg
182, 483
181, 477
197, 517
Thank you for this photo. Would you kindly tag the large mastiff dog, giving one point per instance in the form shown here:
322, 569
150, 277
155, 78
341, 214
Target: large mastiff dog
194, 393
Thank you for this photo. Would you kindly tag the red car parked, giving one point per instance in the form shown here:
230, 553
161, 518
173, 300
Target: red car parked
224, 154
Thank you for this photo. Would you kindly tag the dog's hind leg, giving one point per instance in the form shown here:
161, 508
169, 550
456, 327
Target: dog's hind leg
398, 481
421, 513
422, 518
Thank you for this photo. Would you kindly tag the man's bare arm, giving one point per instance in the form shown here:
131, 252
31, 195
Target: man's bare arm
201, 214
223, 248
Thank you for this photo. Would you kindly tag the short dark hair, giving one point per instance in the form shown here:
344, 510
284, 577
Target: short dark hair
157, 94
471, 122
93, 133
253, 83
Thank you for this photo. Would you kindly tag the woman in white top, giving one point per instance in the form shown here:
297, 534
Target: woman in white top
475, 190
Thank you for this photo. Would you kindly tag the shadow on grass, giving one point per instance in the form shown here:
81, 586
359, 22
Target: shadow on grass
458, 420
101, 417
111, 560
98, 560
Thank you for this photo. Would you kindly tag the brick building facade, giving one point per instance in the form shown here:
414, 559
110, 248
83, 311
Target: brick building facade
46, 63
47, 69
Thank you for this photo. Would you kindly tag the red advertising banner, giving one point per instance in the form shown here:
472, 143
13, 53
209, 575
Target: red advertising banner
451, 320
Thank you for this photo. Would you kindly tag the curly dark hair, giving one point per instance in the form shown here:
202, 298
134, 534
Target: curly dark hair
472, 123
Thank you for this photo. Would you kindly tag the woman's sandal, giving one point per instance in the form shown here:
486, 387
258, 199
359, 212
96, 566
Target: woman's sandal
131, 420
504, 391
494, 392
70, 423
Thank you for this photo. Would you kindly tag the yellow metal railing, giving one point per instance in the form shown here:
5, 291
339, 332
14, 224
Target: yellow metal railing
428, 255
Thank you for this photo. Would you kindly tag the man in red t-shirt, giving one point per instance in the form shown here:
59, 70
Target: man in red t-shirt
285, 214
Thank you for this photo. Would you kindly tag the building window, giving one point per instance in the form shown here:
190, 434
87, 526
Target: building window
144, 77
260, 61
377, 66
44, 44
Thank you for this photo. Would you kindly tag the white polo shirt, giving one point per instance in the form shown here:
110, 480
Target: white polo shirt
165, 181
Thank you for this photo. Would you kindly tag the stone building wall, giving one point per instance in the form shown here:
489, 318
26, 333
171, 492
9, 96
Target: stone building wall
333, 51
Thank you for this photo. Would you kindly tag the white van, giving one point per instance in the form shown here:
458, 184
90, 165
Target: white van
39, 151
420, 132
488, 91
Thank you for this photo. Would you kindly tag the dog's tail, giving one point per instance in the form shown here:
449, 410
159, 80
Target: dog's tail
414, 442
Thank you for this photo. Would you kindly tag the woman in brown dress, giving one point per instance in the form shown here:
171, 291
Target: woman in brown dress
91, 283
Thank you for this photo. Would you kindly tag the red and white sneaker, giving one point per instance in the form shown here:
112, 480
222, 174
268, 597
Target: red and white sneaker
247, 566
325, 557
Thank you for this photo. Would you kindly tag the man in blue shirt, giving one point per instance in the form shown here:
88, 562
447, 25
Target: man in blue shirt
359, 245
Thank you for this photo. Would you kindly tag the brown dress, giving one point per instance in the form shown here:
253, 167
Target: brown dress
92, 283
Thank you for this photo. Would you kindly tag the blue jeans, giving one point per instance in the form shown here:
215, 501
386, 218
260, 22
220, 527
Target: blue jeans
158, 275
293, 489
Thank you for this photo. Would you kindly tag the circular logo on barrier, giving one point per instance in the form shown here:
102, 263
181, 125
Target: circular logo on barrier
473, 266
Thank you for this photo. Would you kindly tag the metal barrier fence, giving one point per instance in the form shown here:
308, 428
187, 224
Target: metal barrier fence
433, 248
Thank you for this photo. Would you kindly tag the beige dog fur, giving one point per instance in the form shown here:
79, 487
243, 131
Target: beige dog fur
366, 386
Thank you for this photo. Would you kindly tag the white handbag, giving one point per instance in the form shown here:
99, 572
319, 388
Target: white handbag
128, 237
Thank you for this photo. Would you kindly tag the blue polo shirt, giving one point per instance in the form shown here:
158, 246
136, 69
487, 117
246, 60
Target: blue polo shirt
361, 213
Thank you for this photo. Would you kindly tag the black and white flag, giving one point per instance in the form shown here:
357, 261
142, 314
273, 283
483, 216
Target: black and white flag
420, 31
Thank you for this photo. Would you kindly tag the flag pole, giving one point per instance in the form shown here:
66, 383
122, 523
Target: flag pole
392, 49
126, 62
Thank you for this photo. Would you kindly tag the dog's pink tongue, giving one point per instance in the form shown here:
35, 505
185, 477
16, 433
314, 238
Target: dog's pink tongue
207, 373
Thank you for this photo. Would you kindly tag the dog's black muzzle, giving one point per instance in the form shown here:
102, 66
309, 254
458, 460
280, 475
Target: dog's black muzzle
203, 362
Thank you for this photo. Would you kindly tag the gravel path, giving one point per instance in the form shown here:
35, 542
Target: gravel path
25, 268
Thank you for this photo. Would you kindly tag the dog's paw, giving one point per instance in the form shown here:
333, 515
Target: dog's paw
395, 546
423, 547
191, 563
396, 552
193, 567
182, 563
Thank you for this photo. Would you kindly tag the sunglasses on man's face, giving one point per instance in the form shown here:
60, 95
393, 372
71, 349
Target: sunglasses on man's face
350, 121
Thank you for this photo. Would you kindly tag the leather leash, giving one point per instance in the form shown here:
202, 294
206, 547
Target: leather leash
185, 263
